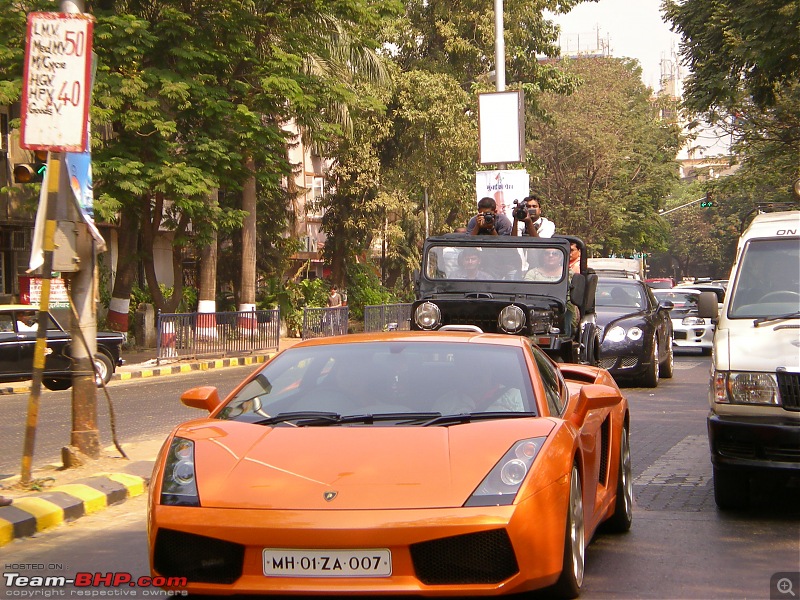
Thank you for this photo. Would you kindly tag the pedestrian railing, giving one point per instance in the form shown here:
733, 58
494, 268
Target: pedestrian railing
194, 335
324, 322
387, 317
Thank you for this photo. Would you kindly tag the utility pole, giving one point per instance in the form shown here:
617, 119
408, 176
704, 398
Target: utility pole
85, 436
499, 54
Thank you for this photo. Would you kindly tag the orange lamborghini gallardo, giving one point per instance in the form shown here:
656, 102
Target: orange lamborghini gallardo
402, 463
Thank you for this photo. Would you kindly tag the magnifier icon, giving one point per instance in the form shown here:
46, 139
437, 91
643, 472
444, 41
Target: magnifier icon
784, 586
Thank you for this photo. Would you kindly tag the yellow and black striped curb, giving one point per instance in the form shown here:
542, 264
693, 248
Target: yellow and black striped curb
203, 365
145, 372
31, 514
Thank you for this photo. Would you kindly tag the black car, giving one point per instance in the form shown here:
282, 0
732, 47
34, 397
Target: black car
18, 330
636, 338
518, 285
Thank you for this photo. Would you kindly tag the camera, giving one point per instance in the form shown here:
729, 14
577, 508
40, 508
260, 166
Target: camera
520, 211
488, 217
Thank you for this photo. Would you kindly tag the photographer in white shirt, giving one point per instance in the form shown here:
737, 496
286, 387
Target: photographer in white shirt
535, 225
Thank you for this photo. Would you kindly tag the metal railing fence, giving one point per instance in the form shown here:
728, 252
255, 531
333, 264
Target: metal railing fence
387, 317
323, 322
193, 335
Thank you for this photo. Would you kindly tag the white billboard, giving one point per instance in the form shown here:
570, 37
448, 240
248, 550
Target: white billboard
501, 126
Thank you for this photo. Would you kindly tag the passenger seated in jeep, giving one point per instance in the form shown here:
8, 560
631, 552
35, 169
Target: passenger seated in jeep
469, 262
550, 266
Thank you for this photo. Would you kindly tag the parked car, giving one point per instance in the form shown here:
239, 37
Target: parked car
446, 463
497, 284
18, 330
636, 331
689, 330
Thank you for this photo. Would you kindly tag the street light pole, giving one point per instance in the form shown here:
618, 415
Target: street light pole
499, 54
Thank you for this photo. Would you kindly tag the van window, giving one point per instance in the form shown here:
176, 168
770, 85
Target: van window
768, 279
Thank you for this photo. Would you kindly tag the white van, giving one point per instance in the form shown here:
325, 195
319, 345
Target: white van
754, 421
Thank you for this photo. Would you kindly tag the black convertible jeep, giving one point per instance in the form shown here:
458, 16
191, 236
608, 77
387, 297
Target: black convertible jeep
510, 284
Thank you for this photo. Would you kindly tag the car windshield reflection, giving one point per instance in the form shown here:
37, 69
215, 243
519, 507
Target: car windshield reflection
404, 383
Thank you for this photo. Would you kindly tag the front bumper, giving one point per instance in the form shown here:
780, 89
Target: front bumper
537, 545
759, 443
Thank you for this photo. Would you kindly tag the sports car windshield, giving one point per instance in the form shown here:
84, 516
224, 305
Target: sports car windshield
391, 382
488, 263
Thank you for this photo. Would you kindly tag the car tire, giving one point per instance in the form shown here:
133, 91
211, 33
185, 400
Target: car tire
621, 520
650, 377
571, 579
104, 369
57, 385
731, 489
667, 368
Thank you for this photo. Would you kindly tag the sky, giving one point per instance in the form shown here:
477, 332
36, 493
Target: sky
631, 28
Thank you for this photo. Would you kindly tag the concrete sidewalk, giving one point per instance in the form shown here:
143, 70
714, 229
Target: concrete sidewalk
68, 494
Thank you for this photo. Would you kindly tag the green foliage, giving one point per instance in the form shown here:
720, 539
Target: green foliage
364, 289
735, 48
603, 158
291, 297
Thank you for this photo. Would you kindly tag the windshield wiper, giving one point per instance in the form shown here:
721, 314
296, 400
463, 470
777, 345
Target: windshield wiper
405, 417
476, 416
761, 320
300, 415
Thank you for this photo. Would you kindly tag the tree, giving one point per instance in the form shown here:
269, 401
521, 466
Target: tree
745, 78
735, 46
603, 158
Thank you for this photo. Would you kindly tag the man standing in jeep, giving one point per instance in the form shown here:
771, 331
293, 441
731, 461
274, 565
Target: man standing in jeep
488, 221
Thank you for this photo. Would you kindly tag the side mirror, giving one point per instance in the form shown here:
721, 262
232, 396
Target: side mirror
708, 306
206, 397
666, 305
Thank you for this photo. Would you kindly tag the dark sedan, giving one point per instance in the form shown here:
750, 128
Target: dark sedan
636, 338
18, 329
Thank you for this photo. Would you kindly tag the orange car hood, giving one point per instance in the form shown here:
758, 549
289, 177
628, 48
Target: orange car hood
252, 466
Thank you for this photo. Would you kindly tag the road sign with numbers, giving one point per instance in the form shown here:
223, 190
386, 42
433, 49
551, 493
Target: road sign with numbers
56, 83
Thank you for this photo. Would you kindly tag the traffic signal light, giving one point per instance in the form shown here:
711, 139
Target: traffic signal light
708, 202
31, 172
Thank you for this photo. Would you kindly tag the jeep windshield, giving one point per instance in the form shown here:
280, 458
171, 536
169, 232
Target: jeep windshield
544, 264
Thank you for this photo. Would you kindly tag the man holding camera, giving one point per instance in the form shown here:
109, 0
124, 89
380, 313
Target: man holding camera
488, 221
529, 212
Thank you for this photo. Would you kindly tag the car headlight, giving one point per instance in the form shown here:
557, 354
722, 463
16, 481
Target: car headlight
427, 316
618, 333
511, 319
693, 321
745, 388
500, 486
179, 486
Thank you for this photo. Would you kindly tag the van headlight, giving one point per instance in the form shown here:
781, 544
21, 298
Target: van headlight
427, 316
511, 319
745, 388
